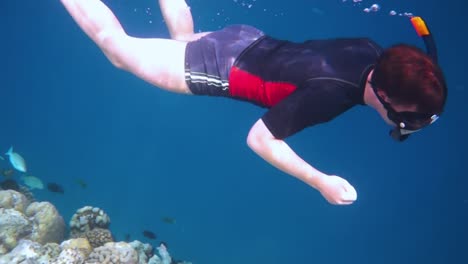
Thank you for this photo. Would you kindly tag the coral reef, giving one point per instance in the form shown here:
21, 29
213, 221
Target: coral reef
19, 219
80, 244
30, 233
48, 225
10, 199
163, 258
79, 251
97, 237
86, 219
145, 251
10, 184
49, 251
28, 251
70, 256
13, 227
113, 253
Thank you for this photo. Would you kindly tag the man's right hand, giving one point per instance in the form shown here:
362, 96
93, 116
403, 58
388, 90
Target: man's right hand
337, 190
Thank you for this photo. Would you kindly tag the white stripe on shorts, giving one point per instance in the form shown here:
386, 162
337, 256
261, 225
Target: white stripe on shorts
197, 77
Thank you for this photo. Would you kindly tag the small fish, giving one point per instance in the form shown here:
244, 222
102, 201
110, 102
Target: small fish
82, 183
32, 182
54, 187
168, 220
16, 160
149, 234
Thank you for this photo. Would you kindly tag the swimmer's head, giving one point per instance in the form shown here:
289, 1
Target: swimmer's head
407, 78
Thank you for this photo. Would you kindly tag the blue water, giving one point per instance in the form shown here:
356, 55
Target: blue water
146, 153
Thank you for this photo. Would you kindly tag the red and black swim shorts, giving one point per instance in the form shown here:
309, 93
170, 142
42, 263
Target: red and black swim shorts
209, 59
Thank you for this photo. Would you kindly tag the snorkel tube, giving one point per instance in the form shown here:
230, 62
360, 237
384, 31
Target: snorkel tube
400, 133
423, 32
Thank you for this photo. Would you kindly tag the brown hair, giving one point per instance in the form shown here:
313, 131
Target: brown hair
409, 76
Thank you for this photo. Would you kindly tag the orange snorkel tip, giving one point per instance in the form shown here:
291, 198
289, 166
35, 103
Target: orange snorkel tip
423, 32
420, 26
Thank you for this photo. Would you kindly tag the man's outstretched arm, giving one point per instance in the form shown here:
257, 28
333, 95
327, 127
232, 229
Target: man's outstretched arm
276, 152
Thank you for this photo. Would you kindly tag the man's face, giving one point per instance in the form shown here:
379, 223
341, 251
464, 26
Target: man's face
396, 107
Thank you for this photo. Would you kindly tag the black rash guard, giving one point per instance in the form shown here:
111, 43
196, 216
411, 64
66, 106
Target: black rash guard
302, 84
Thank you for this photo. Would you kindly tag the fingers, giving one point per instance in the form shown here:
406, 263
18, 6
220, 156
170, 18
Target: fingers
338, 191
349, 195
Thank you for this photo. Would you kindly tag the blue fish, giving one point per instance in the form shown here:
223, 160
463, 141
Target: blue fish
16, 160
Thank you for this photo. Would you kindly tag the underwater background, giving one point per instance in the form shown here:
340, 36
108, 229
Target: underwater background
147, 155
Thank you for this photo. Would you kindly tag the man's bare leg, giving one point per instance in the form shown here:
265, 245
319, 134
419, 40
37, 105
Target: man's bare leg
157, 61
179, 20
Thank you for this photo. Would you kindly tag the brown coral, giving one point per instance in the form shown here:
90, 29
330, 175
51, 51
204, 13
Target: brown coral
86, 219
98, 237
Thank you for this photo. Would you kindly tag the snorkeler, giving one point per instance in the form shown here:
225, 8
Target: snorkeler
301, 84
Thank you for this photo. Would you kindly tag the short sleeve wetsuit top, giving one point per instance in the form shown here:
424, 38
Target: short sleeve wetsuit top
303, 84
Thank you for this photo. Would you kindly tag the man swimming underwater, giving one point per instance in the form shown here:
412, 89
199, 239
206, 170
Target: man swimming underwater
301, 84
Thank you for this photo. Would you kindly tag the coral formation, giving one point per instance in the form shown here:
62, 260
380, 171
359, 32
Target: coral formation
86, 219
10, 184
28, 251
145, 251
49, 251
48, 225
19, 219
24, 251
30, 233
163, 258
70, 256
97, 237
13, 227
113, 253
10, 199
80, 244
